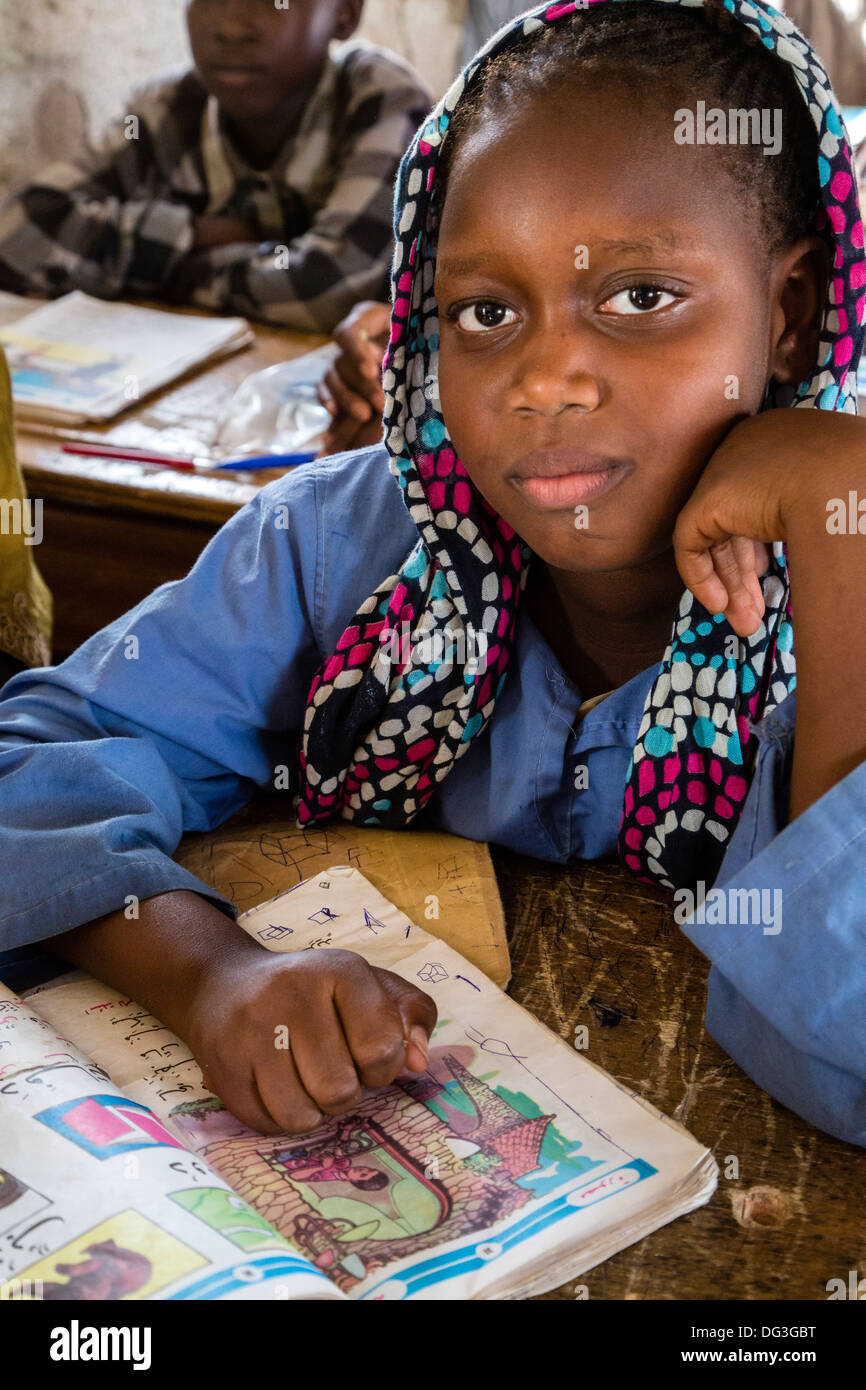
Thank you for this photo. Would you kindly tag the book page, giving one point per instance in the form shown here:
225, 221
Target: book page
93, 358
509, 1166
443, 881
99, 1200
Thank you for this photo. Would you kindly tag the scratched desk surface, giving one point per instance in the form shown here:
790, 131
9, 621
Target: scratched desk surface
591, 946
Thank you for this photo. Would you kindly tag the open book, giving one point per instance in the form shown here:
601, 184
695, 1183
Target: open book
79, 359
510, 1166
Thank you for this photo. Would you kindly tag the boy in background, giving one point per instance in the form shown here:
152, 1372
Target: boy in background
260, 182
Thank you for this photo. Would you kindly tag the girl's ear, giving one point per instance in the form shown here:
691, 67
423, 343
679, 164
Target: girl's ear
800, 281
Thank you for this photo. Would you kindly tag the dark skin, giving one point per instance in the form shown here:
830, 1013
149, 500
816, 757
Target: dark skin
350, 1024
262, 64
703, 486
628, 358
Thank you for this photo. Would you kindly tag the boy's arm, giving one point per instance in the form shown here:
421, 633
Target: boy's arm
97, 225
313, 280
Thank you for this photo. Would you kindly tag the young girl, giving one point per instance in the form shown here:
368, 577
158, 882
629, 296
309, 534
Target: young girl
600, 306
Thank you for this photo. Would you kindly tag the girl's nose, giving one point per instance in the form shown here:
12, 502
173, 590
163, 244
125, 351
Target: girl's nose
553, 374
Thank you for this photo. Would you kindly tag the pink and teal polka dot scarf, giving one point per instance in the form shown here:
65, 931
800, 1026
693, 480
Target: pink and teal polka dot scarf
386, 719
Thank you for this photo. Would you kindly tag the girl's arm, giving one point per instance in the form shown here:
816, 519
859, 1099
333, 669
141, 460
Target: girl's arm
776, 476
828, 593
164, 722
787, 1003
161, 723
349, 1024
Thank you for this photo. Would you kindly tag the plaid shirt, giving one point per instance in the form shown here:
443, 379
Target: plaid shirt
119, 223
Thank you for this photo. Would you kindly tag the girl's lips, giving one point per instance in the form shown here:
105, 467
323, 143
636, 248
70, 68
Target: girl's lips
570, 489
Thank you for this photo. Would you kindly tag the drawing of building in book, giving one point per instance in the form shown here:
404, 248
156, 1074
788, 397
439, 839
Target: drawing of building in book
421, 1163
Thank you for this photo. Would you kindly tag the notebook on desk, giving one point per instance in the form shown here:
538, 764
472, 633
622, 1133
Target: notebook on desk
511, 1165
78, 359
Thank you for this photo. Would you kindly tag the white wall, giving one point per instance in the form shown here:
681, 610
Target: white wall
66, 66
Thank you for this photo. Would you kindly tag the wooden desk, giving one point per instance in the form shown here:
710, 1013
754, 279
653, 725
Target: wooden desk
114, 531
591, 946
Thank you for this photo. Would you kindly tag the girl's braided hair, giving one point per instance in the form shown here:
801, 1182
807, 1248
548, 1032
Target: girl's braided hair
684, 54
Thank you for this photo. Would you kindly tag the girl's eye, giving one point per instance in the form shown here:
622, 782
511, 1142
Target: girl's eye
639, 299
481, 316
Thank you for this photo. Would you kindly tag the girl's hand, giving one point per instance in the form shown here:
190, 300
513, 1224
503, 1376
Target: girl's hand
769, 470
349, 1026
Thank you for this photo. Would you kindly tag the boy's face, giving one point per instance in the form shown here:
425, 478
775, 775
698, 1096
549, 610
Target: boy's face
252, 55
551, 367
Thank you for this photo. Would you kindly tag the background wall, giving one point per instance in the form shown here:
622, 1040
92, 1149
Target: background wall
67, 66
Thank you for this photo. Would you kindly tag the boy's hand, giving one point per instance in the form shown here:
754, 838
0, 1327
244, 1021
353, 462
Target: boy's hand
770, 470
211, 231
348, 1026
352, 387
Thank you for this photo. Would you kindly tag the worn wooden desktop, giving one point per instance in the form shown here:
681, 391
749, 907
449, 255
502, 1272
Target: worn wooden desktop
113, 531
592, 946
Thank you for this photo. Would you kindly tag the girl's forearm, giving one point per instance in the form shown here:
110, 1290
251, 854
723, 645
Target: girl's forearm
159, 957
828, 589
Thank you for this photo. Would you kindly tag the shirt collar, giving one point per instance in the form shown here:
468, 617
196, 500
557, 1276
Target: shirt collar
301, 157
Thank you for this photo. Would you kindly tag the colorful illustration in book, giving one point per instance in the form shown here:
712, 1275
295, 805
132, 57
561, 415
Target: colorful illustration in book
105, 1126
420, 1163
203, 1122
18, 1202
231, 1216
24, 1213
126, 1257
42, 365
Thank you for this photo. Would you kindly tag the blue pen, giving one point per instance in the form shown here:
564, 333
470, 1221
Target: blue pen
263, 461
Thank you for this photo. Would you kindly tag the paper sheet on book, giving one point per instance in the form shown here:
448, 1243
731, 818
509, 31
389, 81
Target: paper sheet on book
442, 881
511, 1165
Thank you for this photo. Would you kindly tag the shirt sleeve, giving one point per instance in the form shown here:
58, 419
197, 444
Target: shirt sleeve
165, 721
311, 282
25, 603
786, 991
98, 224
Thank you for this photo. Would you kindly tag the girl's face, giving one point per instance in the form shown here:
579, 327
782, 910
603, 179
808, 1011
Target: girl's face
607, 311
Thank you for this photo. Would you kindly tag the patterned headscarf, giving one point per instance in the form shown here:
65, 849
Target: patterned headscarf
379, 732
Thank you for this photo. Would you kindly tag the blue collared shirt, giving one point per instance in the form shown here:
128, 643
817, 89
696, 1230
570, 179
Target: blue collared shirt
169, 719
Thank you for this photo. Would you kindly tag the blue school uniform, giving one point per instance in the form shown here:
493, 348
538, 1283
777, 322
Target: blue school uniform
168, 719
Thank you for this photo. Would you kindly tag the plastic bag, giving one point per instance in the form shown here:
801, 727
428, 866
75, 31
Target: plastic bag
276, 410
